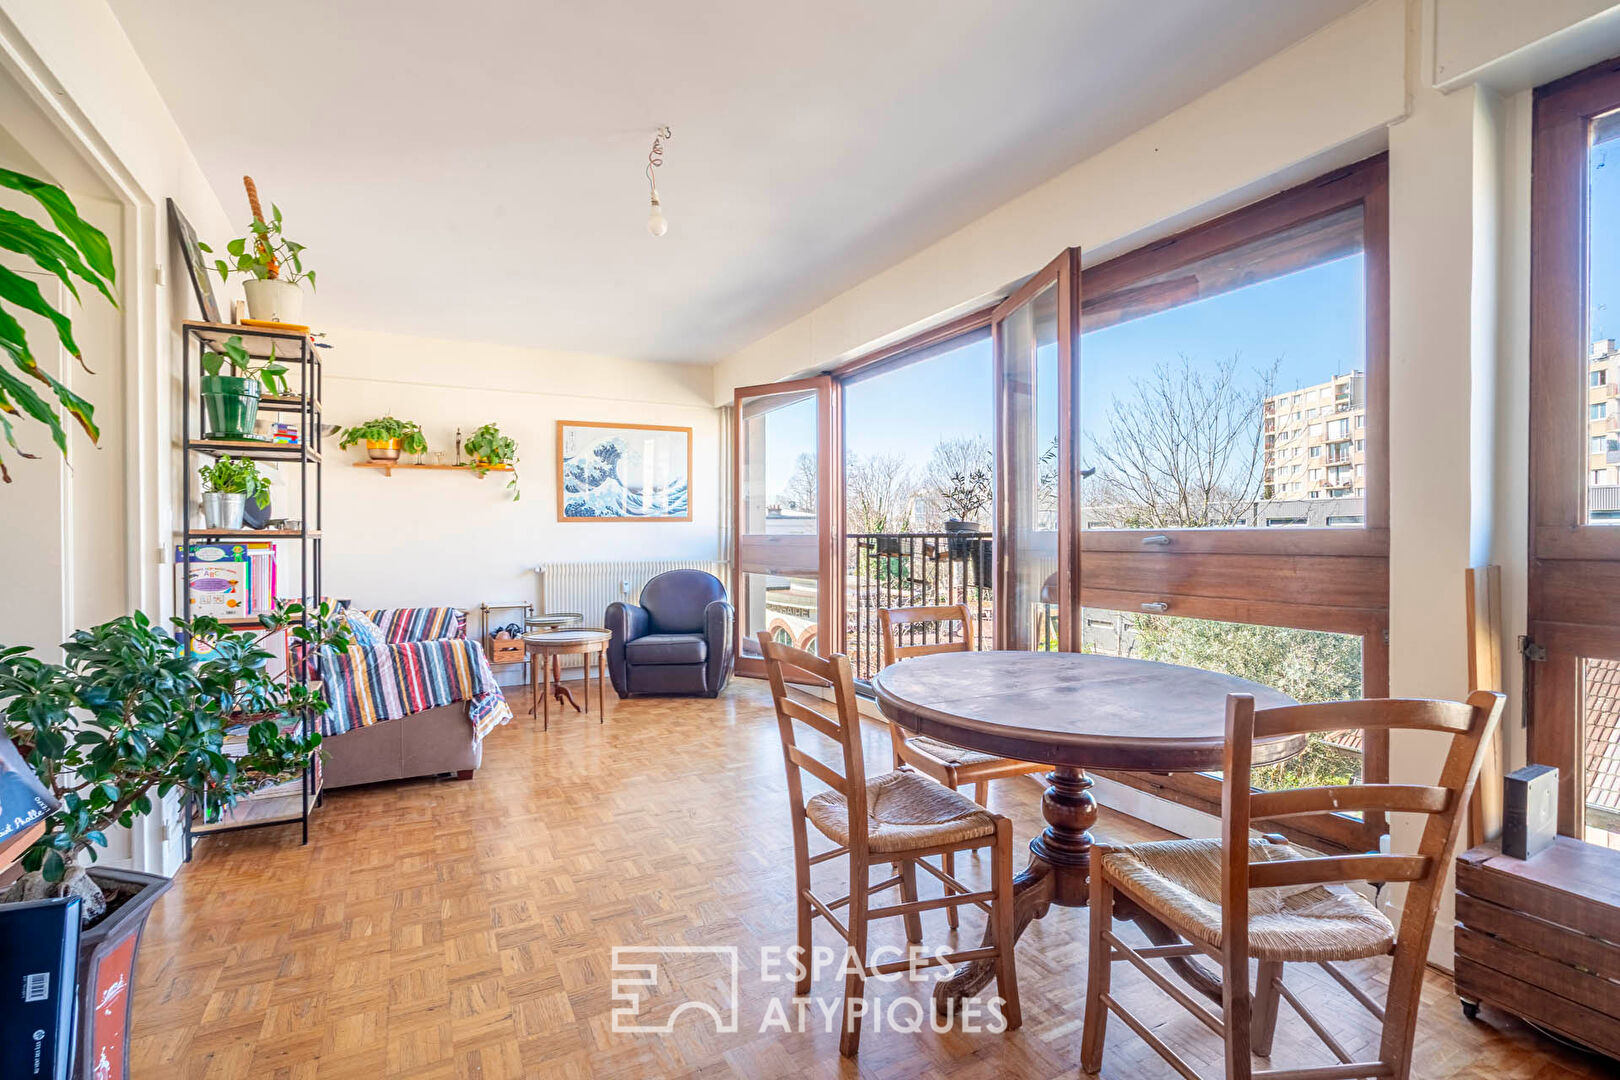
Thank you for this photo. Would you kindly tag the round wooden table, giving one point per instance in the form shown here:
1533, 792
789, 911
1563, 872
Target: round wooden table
554, 620
550, 648
1073, 711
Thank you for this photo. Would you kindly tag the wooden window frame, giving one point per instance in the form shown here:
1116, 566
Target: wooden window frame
1329, 579
1574, 567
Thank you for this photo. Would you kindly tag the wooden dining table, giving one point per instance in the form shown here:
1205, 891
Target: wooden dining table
1072, 711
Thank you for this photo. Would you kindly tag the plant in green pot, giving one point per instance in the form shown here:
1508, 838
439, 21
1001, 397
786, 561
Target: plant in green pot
492, 450
231, 402
386, 438
228, 484
132, 713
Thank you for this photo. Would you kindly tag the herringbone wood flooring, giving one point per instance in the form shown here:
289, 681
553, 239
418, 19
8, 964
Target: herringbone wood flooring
463, 929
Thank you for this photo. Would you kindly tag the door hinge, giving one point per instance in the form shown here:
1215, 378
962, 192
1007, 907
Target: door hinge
1535, 654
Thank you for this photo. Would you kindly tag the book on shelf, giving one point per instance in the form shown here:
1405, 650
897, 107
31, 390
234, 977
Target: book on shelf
230, 581
24, 804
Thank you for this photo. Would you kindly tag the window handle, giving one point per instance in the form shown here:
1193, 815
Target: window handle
1156, 605
1159, 539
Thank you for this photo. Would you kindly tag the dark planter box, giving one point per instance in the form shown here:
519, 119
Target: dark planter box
107, 973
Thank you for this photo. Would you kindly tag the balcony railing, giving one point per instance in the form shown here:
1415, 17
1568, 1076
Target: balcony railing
889, 570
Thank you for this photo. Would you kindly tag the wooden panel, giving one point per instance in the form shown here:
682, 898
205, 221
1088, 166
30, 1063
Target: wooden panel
1575, 592
1483, 601
1475, 981
1571, 883
787, 555
1547, 974
1323, 581
1538, 935
1336, 541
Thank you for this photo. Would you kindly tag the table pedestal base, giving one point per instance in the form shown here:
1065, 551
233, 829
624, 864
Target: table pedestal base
1059, 872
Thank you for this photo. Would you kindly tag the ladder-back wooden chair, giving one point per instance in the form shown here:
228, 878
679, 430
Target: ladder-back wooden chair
1240, 897
951, 765
900, 818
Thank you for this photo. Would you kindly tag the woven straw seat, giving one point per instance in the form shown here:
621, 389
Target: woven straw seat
1180, 881
905, 811
948, 753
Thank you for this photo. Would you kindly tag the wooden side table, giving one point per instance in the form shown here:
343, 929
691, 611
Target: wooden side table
550, 649
555, 620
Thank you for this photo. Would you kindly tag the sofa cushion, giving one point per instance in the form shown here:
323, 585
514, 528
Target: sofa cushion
667, 649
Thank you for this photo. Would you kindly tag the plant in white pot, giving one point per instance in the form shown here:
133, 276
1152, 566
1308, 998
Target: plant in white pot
272, 263
227, 486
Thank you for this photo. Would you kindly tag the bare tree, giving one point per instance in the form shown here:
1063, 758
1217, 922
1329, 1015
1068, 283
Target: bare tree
1183, 449
800, 492
878, 494
961, 476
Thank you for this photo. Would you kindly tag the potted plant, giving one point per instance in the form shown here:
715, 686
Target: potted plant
132, 713
492, 450
70, 248
386, 438
273, 265
231, 402
227, 485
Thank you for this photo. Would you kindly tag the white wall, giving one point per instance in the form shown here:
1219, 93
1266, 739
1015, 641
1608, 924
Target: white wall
427, 537
1322, 102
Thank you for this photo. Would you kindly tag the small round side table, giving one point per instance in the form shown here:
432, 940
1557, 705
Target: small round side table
549, 648
554, 620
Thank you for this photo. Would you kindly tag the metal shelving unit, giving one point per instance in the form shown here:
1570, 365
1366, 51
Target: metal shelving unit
280, 804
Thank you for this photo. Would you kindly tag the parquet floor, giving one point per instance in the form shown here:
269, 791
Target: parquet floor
464, 929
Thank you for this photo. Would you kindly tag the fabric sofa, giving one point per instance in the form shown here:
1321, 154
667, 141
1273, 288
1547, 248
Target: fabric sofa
678, 640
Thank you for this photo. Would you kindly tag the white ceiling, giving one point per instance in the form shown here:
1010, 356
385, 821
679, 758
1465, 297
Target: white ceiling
474, 169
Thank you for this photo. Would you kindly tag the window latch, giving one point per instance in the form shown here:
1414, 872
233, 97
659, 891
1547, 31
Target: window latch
1160, 540
1536, 654
1156, 605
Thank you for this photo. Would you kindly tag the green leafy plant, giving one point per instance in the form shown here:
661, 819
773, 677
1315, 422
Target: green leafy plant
73, 249
386, 429
264, 253
234, 355
236, 476
489, 447
135, 711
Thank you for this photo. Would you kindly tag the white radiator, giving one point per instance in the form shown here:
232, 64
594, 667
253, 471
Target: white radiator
589, 587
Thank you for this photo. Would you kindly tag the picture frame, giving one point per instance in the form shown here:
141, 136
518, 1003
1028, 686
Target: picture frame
194, 264
623, 472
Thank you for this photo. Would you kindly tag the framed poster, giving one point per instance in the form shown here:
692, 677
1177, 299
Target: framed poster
194, 264
623, 472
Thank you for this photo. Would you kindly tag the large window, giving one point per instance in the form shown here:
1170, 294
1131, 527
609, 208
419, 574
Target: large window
1575, 448
1232, 405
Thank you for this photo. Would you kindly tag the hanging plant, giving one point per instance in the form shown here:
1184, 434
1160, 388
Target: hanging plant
74, 249
489, 448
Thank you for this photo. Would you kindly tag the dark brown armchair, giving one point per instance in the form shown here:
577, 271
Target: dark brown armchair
676, 641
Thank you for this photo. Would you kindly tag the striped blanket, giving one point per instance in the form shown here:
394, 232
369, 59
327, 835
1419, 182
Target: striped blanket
364, 685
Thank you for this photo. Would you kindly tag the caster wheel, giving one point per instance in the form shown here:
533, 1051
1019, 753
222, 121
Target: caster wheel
1470, 1010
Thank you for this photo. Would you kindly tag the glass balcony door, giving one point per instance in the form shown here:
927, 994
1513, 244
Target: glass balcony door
1035, 333
783, 524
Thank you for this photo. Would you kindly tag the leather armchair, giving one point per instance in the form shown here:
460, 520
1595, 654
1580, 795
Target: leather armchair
676, 641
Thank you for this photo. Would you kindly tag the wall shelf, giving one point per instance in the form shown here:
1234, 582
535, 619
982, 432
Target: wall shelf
254, 534
388, 467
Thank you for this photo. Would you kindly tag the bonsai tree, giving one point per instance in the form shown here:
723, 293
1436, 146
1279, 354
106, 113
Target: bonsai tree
387, 429
236, 476
73, 249
233, 354
489, 447
134, 712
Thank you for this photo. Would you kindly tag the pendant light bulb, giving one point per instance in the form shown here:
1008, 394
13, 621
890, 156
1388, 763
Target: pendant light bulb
657, 224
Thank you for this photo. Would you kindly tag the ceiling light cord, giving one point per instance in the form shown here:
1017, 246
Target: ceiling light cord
657, 224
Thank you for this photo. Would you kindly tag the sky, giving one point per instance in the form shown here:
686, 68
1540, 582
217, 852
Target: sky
1310, 323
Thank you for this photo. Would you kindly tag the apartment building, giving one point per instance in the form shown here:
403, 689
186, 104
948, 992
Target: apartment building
1603, 431
1316, 441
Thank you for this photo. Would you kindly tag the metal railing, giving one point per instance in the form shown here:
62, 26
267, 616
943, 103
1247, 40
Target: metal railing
890, 570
